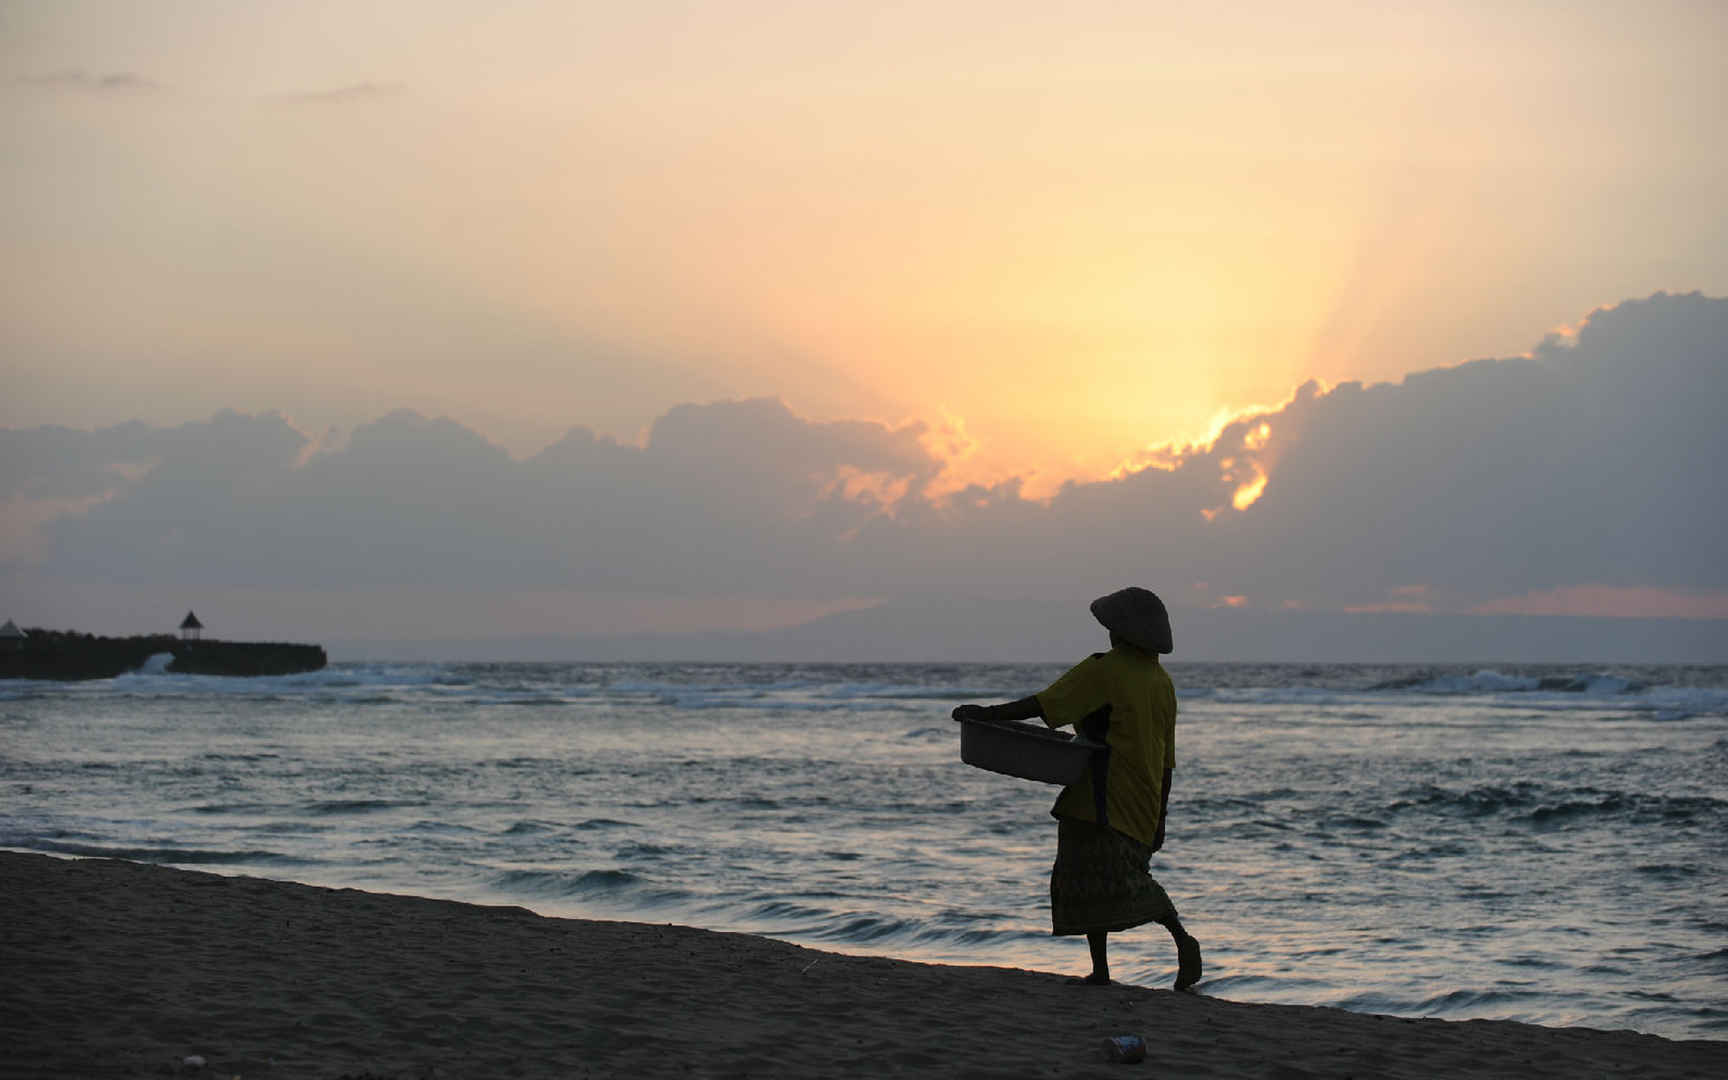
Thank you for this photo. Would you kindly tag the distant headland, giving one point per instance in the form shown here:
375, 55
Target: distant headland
67, 654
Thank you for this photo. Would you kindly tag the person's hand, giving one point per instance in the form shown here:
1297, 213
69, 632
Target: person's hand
968, 712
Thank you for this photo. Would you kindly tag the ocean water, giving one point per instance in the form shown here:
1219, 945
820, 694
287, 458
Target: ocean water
1542, 844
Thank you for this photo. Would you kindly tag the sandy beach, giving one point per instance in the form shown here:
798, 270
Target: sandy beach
124, 969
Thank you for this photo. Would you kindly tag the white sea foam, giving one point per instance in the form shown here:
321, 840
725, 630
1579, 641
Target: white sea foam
1487, 681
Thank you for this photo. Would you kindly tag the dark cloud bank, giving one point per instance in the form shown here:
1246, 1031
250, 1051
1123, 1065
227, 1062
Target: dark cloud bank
1391, 513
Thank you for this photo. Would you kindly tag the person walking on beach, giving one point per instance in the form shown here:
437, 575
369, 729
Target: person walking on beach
1111, 821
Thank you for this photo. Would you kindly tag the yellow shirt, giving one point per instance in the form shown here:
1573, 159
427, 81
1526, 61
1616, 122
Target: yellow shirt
1142, 735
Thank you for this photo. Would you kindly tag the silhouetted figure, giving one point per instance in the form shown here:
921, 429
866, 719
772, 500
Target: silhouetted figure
1112, 820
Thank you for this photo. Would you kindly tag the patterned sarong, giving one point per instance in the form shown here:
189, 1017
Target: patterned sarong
1100, 881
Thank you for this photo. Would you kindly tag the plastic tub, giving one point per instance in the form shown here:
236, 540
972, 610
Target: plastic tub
1030, 752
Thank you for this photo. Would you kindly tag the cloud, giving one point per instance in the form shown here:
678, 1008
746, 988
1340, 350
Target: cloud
741, 493
790, 462
1585, 469
1623, 602
60, 462
347, 95
1585, 463
80, 81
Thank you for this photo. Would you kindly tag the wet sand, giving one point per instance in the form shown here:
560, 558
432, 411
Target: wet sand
110, 968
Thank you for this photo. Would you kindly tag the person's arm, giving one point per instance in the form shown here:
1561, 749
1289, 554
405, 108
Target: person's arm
1163, 811
1024, 709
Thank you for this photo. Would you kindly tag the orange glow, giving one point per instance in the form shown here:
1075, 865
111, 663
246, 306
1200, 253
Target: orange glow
1390, 607
950, 443
1162, 458
856, 485
1249, 492
1086, 241
1611, 600
1403, 599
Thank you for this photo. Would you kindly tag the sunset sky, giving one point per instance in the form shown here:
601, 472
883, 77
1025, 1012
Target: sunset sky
1018, 241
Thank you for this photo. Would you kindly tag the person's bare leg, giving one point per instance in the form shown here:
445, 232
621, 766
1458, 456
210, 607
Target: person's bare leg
1188, 965
1096, 940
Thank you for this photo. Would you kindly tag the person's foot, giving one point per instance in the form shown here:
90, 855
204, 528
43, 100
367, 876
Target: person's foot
1093, 979
1187, 961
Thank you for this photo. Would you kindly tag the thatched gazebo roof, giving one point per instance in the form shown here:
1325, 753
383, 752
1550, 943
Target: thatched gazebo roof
190, 622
